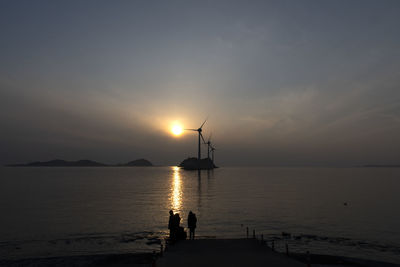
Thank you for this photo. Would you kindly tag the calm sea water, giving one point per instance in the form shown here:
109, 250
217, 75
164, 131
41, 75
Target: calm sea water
74, 211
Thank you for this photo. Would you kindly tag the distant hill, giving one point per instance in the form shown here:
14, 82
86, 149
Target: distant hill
138, 162
60, 163
79, 163
381, 166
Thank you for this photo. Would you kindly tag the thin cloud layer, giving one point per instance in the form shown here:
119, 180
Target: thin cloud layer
282, 84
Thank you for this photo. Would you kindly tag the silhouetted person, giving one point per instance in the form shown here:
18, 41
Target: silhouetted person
177, 220
192, 221
171, 225
180, 233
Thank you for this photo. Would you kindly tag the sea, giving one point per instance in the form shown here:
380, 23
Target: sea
66, 211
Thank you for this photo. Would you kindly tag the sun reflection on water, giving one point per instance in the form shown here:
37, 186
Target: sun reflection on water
176, 190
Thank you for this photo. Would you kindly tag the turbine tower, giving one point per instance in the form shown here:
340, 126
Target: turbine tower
212, 154
208, 143
199, 130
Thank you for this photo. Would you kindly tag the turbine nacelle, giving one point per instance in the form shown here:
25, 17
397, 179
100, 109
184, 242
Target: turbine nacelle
199, 130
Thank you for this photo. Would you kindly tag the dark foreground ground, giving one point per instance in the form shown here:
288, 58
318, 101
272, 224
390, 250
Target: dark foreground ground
203, 252
247, 252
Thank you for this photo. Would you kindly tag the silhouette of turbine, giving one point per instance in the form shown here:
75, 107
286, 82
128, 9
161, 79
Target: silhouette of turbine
212, 154
199, 130
208, 143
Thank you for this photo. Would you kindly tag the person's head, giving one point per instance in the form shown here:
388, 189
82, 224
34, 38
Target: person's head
171, 212
190, 212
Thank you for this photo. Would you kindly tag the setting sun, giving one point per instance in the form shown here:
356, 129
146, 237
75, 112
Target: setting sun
176, 130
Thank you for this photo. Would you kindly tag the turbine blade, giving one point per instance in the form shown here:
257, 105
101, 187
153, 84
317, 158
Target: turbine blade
203, 123
202, 138
190, 130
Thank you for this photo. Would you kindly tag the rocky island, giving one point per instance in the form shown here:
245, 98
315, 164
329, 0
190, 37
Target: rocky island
196, 164
138, 162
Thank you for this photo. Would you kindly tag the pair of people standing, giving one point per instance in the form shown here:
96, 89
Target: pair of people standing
176, 232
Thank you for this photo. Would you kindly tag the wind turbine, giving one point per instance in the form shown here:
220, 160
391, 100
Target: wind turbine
212, 154
208, 143
199, 130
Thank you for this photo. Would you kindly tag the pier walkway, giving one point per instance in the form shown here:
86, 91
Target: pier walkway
223, 252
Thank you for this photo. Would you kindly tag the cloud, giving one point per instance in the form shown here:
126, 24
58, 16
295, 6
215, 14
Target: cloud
282, 85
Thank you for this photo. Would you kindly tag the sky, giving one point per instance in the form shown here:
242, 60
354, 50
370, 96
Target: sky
282, 83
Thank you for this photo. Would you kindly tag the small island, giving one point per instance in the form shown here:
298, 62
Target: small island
196, 164
81, 163
136, 163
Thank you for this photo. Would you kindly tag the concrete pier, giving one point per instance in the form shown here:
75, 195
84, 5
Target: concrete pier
223, 252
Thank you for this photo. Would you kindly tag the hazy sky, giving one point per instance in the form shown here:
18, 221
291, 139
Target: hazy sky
283, 82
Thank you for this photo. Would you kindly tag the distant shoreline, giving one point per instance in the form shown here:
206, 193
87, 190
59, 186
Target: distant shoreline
81, 163
147, 163
381, 166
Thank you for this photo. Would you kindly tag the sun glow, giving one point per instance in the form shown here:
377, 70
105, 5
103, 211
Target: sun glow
176, 130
